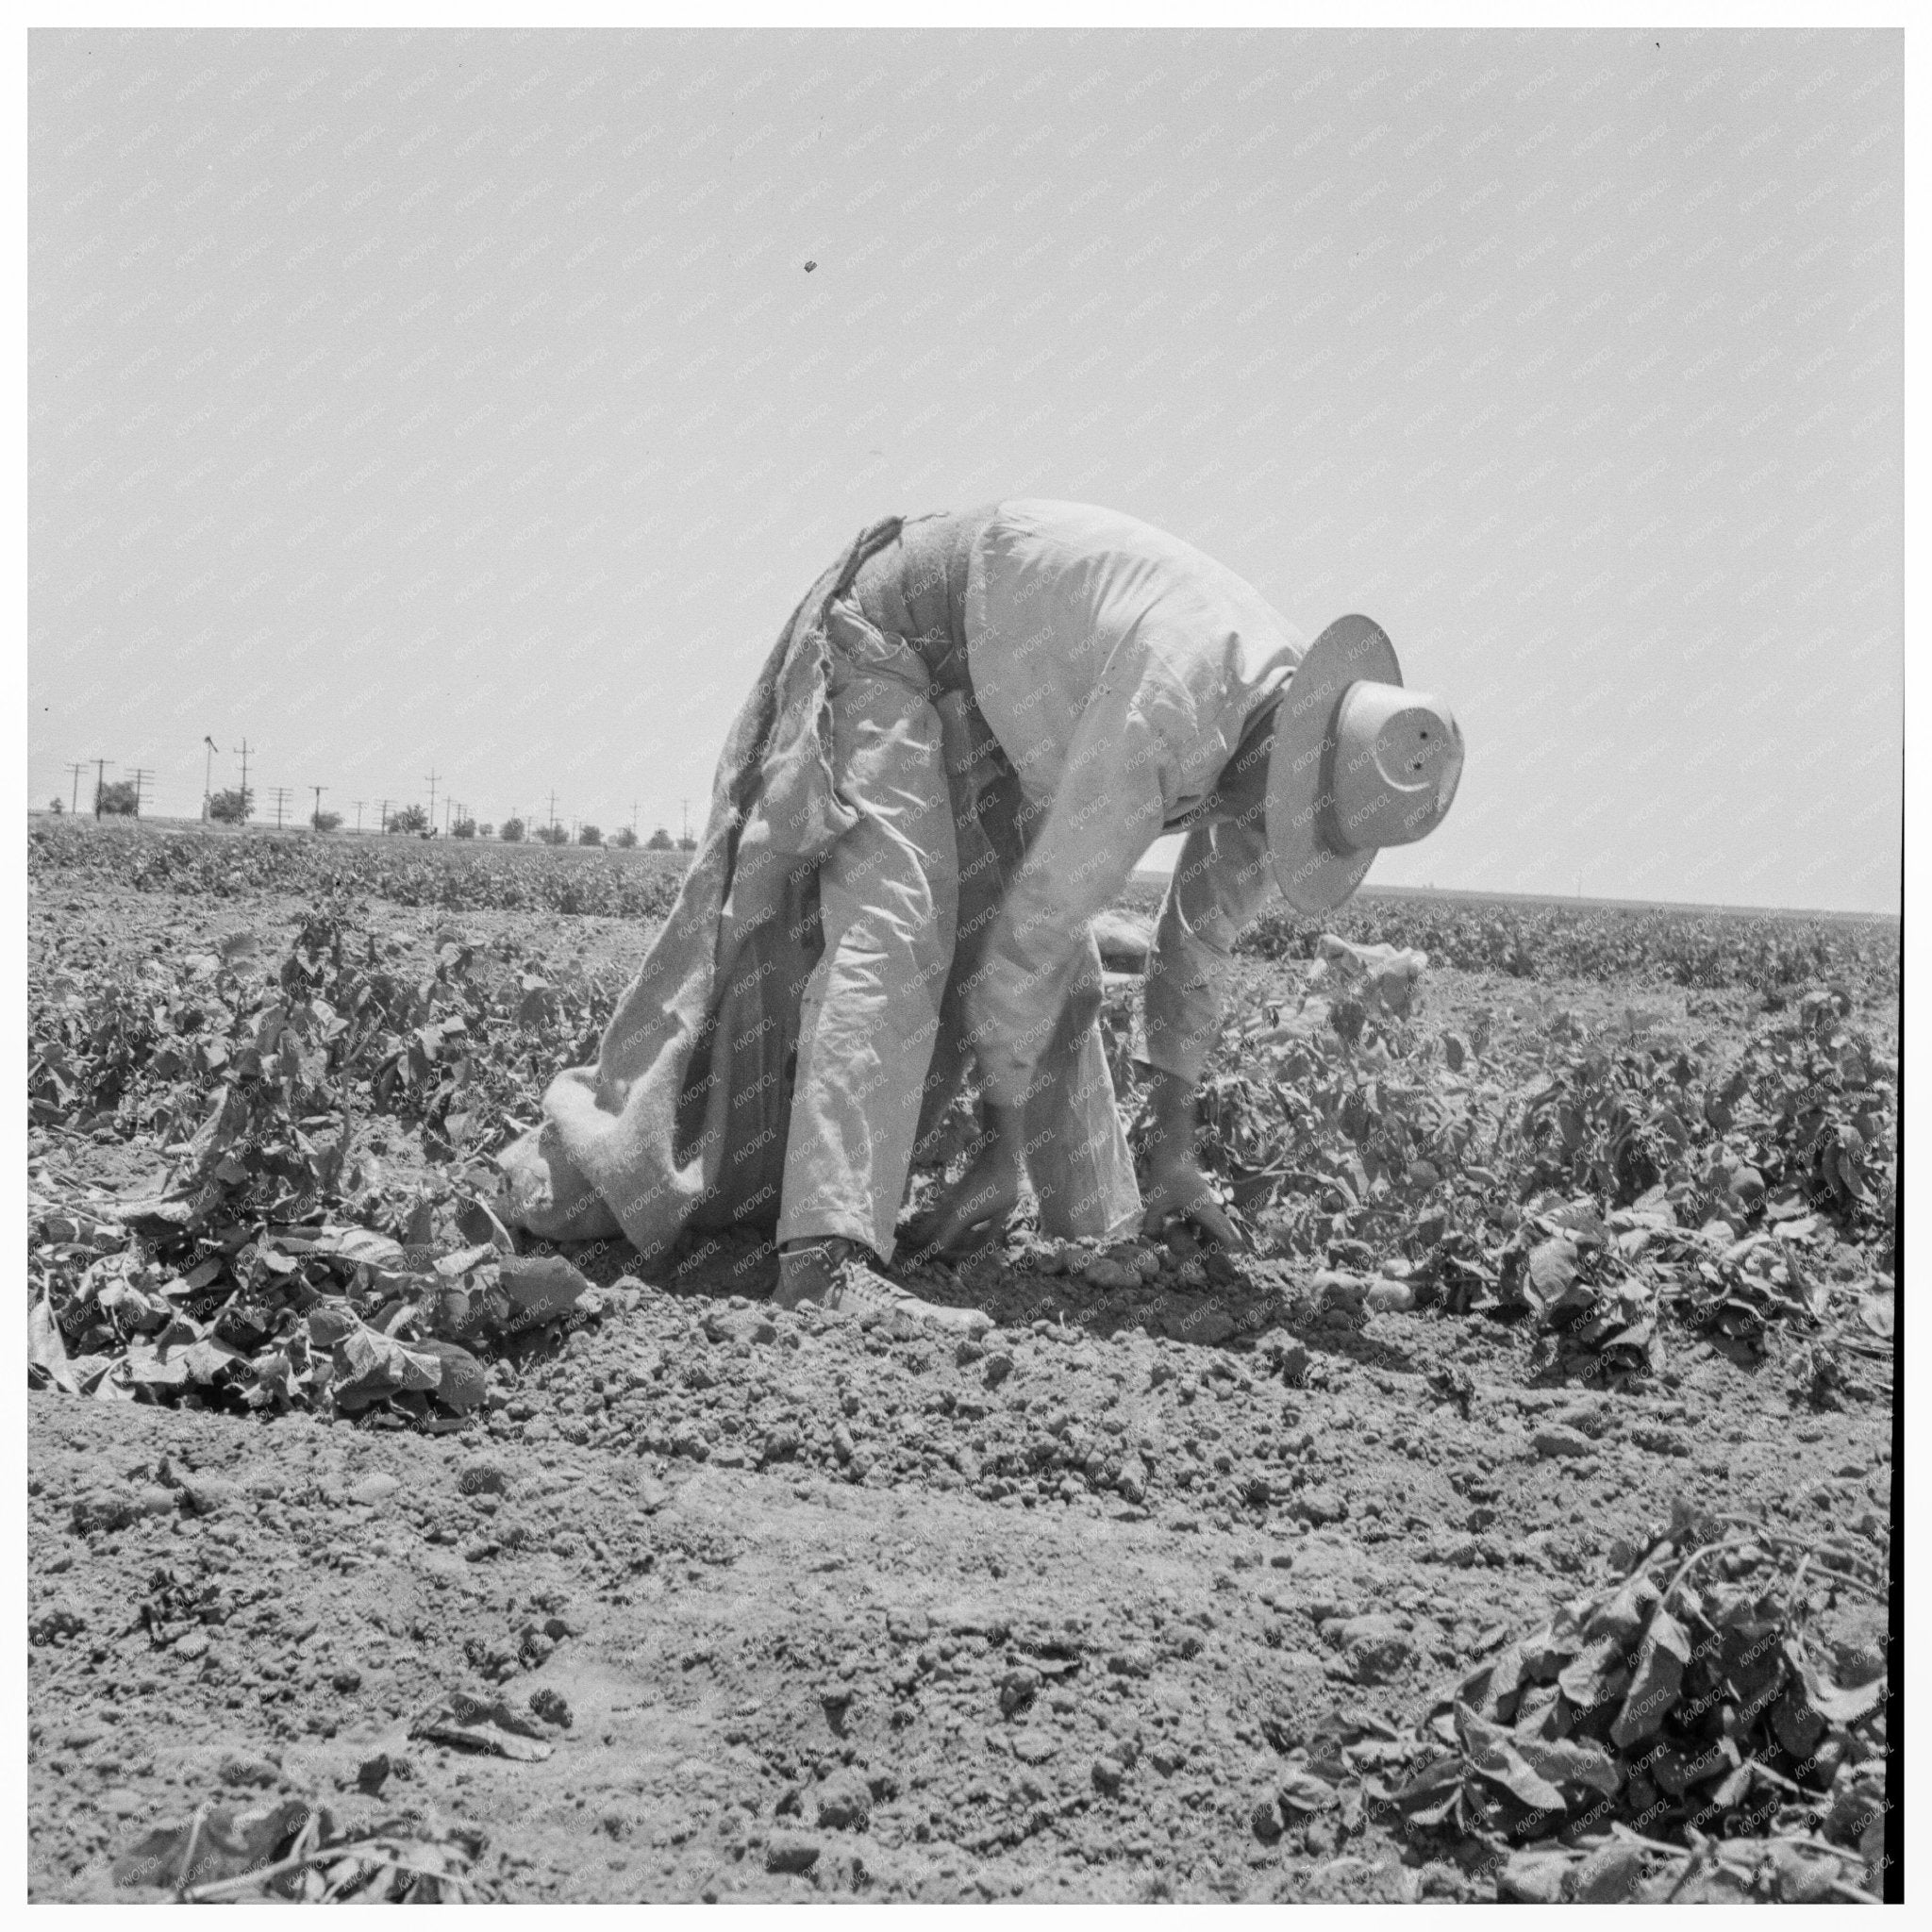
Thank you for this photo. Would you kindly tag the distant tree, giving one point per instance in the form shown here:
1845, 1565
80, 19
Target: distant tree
325, 821
412, 818
463, 828
120, 801
485, 831
511, 832
659, 840
554, 835
590, 835
624, 838
56, 806
232, 807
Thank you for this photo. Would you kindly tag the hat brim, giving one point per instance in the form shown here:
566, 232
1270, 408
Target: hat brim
1314, 873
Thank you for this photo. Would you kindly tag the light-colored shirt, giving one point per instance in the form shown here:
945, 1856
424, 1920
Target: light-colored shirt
1117, 666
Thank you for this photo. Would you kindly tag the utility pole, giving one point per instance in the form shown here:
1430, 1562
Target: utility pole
76, 770
318, 790
359, 804
686, 818
445, 811
633, 818
140, 772
281, 796
553, 811
100, 766
382, 824
208, 775
432, 794
244, 772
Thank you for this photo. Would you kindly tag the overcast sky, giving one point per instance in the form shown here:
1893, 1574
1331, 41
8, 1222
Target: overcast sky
465, 402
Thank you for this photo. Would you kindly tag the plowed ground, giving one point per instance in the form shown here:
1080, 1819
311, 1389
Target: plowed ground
807, 1648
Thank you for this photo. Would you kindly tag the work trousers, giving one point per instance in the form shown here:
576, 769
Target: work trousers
882, 1037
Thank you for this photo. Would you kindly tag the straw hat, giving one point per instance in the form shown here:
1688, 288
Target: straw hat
1357, 763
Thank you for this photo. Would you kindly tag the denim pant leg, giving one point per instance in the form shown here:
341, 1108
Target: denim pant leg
887, 894
1077, 1150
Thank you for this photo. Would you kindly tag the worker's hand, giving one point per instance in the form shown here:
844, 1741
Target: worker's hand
972, 1213
1176, 1184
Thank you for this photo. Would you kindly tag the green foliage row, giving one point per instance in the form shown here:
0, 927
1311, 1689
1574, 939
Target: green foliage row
1767, 952
464, 877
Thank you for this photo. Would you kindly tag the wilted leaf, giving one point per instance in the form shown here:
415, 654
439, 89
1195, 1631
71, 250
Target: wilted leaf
370, 1366
1430, 1796
463, 1385
330, 1320
1535, 1878
214, 1845
1570, 1761
1504, 1765
1305, 1792
146, 1367
205, 1361
361, 1245
1494, 1754
1833, 1702
1653, 1688
46, 1349
1551, 1270
476, 1222
1625, 1612
1609, 1876
475, 1723
450, 1266
1595, 1672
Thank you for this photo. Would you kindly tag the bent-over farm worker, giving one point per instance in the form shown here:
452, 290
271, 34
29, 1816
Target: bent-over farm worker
968, 735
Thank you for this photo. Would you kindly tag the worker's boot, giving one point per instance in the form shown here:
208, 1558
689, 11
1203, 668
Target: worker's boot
834, 1274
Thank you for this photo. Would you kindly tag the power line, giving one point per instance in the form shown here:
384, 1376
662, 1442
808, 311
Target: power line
141, 772
359, 803
432, 794
280, 794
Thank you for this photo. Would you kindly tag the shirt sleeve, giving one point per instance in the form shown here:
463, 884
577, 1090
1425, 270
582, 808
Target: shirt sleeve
1220, 883
1104, 812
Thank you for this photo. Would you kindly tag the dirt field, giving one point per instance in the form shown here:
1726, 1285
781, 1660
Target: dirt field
1150, 1595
